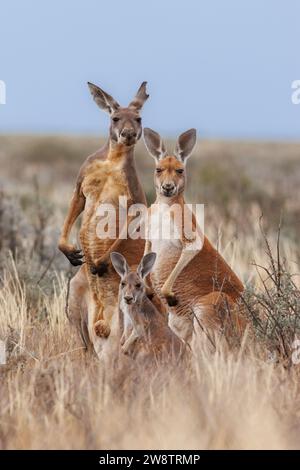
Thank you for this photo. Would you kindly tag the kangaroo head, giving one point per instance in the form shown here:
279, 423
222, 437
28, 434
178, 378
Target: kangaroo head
132, 285
125, 123
169, 176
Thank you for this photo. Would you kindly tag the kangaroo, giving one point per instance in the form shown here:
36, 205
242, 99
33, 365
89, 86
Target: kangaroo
107, 174
189, 272
145, 329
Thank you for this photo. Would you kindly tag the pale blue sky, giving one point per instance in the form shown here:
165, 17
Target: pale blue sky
224, 67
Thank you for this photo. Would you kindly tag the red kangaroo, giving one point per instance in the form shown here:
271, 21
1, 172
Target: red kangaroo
189, 272
107, 174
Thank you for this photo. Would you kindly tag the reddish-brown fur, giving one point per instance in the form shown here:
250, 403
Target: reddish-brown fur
189, 273
146, 333
106, 175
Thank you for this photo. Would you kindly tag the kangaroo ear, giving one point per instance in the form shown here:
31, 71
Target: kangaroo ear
146, 264
185, 144
154, 144
103, 99
119, 263
140, 97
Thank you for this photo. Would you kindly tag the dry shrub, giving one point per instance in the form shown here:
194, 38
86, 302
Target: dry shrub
274, 308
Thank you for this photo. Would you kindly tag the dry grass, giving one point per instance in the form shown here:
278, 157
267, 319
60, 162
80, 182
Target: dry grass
54, 395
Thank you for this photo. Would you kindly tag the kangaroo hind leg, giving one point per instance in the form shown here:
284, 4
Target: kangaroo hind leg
76, 303
217, 314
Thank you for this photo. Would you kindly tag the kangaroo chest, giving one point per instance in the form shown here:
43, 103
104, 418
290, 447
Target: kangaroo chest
163, 232
108, 195
103, 184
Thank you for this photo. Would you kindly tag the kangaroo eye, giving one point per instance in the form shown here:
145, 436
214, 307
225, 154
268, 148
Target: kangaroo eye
138, 285
123, 284
139, 120
116, 119
158, 170
179, 171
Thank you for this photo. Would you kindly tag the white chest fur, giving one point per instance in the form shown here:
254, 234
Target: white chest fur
126, 316
162, 230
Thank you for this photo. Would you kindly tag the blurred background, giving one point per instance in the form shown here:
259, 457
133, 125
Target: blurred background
223, 67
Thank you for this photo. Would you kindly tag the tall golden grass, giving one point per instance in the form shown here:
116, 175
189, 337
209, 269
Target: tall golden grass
54, 395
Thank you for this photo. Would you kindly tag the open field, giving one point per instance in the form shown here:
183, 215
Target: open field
54, 395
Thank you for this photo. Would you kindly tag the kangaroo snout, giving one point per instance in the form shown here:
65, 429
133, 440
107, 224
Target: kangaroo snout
129, 299
128, 136
168, 188
128, 133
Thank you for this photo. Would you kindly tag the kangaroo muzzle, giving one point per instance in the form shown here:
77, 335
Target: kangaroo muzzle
168, 189
129, 299
128, 136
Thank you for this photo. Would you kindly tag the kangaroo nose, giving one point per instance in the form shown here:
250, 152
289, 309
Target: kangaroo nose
128, 298
128, 132
168, 186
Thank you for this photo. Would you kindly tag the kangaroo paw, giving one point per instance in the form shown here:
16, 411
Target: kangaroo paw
171, 300
74, 256
150, 293
100, 269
